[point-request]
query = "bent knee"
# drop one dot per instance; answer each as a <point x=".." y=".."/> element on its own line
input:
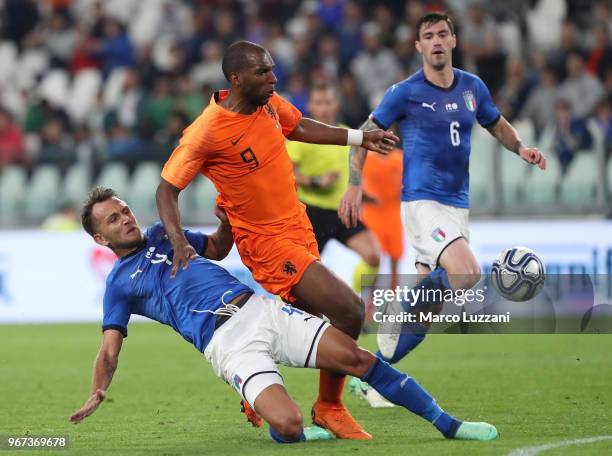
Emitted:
<point x="372" y="258"/>
<point x="466" y="277"/>
<point x="347" y="312"/>
<point x="288" y="424"/>
<point x="355" y="361"/>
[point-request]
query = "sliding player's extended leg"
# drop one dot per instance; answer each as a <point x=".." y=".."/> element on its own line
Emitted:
<point x="320" y="292"/>
<point x="338" y="352"/>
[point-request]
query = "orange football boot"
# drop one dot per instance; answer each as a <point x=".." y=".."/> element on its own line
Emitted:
<point x="337" y="419"/>
<point x="251" y="415"/>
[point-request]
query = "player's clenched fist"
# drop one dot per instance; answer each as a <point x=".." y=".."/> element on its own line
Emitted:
<point x="533" y="156"/>
<point x="380" y="141"/>
<point x="350" y="206"/>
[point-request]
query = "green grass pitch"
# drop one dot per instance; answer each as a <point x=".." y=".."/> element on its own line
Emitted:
<point x="536" y="389"/>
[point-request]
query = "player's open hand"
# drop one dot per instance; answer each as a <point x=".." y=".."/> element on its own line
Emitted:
<point x="90" y="406"/>
<point x="533" y="156"/>
<point x="350" y="206"/>
<point x="380" y="141"/>
<point x="183" y="254"/>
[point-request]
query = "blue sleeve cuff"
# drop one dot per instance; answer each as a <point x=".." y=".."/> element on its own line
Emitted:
<point x="121" y="329"/>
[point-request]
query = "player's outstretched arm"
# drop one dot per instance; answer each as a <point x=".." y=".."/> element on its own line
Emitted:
<point x="104" y="368"/>
<point x="373" y="138"/>
<point x="507" y="135"/>
<point x="350" y="206"/>
<point x="167" y="206"/>
<point x="221" y="241"/>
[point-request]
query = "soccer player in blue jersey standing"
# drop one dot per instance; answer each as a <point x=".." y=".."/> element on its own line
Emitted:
<point x="243" y="336"/>
<point x="436" y="109"/>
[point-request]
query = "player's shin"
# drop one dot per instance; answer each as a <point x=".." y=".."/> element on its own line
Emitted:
<point x="403" y="390"/>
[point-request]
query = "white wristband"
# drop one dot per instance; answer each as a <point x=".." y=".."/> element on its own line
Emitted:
<point x="354" y="137"/>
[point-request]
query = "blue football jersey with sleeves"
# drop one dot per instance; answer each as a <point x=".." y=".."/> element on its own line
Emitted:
<point x="436" y="124"/>
<point x="140" y="284"/>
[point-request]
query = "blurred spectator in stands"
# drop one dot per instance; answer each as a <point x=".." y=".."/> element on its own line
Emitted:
<point x="167" y="139"/>
<point x="513" y="94"/>
<point x="19" y="18"/>
<point x="581" y="89"/>
<point x="330" y="13"/>
<point x="128" y="102"/>
<point x="202" y="30"/>
<point x="305" y="58"/>
<point x="329" y="56"/>
<point x="226" y="28"/>
<point x="12" y="146"/>
<point x="540" y="104"/>
<point x="603" y="119"/>
<point x="353" y="106"/>
<point x="570" y="133"/>
<point x="188" y="100"/>
<point x="41" y="111"/>
<point x="375" y="67"/>
<point x="155" y="108"/>
<point x="386" y="25"/>
<point x="479" y="45"/>
<point x="60" y="38"/>
<point x="57" y="147"/>
<point x="82" y="56"/>
<point x="601" y="13"/>
<point x="279" y="45"/>
<point x="115" y="49"/>
<point x="349" y="32"/>
<point x="209" y="72"/>
<point x="66" y="219"/>
<point x="600" y="57"/>
<point x="125" y="147"/>
<point x="568" y="44"/>
<point x="296" y="92"/>
<point x="99" y="20"/>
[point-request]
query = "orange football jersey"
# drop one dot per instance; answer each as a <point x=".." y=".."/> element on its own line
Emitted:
<point x="246" y="159"/>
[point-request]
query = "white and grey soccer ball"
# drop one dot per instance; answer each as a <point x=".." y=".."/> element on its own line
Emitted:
<point x="518" y="274"/>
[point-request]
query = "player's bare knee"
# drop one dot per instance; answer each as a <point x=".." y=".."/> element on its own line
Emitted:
<point x="372" y="258"/>
<point x="355" y="360"/>
<point x="470" y="276"/>
<point x="288" y="423"/>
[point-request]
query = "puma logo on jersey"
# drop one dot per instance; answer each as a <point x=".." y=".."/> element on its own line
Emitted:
<point x="430" y="106"/>
<point x="136" y="273"/>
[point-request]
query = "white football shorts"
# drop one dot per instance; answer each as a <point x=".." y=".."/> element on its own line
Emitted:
<point x="431" y="226"/>
<point x="245" y="350"/>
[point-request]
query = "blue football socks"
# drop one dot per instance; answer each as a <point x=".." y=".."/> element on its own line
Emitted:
<point x="403" y="390"/>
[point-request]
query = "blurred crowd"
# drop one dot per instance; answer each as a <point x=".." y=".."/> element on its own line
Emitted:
<point x="118" y="80"/>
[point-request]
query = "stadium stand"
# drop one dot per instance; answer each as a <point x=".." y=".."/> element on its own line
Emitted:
<point x="99" y="87"/>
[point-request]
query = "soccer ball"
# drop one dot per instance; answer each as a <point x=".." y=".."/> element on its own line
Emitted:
<point x="518" y="274"/>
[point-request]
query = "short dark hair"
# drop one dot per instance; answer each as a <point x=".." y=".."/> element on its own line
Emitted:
<point x="235" y="59"/>
<point x="433" y="18"/>
<point x="97" y="195"/>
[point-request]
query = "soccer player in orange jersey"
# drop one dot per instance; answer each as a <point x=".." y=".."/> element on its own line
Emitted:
<point x="382" y="179"/>
<point x="238" y="142"/>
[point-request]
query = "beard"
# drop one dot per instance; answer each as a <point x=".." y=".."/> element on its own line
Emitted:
<point x="255" y="99"/>
<point x="126" y="245"/>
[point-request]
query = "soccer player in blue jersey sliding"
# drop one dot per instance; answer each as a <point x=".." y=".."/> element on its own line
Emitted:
<point x="241" y="337"/>
<point x="436" y="109"/>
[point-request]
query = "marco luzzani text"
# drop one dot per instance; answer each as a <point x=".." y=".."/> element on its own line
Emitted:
<point x="409" y="297"/>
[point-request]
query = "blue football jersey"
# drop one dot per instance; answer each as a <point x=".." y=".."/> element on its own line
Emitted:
<point x="436" y="124"/>
<point x="140" y="284"/>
